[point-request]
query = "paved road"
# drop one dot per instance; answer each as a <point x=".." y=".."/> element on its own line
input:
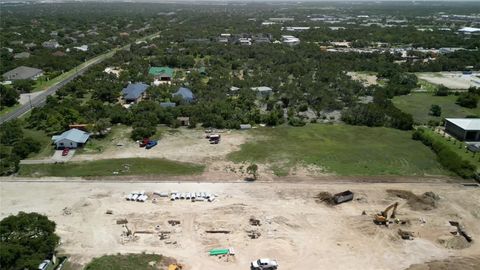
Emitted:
<point x="39" y="100"/>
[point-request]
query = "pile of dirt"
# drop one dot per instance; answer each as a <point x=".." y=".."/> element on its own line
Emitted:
<point x="324" y="197"/>
<point x="455" y="242"/>
<point x="427" y="201"/>
<point x="454" y="263"/>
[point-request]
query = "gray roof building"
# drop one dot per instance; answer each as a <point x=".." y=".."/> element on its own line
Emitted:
<point x="22" y="73"/>
<point x="21" y="55"/>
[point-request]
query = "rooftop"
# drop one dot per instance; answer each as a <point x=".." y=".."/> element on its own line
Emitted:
<point x="185" y="93"/>
<point x="134" y="91"/>
<point x="466" y="123"/>
<point x="160" y="70"/>
<point x="73" y="134"/>
<point x="22" y="73"/>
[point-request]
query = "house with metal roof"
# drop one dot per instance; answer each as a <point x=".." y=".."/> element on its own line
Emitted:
<point x="167" y="104"/>
<point x="185" y="93"/>
<point x="263" y="91"/>
<point x="134" y="92"/>
<point x="465" y="129"/>
<point x="22" y="73"/>
<point x="72" y="138"/>
<point x="161" y="73"/>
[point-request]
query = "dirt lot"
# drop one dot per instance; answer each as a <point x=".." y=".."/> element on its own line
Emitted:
<point x="365" y="79"/>
<point x="184" y="145"/>
<point x="452" y="80"/>
<point x="295" y="229"/>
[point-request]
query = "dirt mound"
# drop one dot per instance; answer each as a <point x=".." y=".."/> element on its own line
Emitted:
<point x="325" y="197"/>
<point x="427" y="201"/>
<point x="454" y="263"/>
<point x="455" y="242"/>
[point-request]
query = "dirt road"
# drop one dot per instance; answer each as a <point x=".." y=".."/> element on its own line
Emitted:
<point x="294" y="229"/>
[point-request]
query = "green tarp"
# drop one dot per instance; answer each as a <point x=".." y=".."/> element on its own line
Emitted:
<point x="215" y="252"/>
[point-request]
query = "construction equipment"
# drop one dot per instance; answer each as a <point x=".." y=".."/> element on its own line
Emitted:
<point x="382" y="217"/>
<point x="175" y="266"/>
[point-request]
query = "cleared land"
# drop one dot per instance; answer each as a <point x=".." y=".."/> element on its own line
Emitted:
<point x="107" y="167"/>
<point x="418" y="105"/>
<point x="451" y="80"/>
<point x="295" y="229"/>
<point x="340" y="149"/>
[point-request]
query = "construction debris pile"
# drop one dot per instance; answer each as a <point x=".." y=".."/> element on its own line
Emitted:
<point x="425" y="202"/>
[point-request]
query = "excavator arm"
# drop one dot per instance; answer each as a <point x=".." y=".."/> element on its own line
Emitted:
<point x="382" y="218"/>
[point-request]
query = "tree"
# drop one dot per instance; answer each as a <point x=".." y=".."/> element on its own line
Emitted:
<point x="435" y="110"/>
<point x="24" y="147"/>
<point x="101" y="126"/>
<point x="8" y="96"/>
<point x="26" y="239"/>
<point x="23" y="86"/>
<point x="467" y="100"/>
<point x="252" y="169"/>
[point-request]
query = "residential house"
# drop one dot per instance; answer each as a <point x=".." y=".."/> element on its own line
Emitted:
<point x="262" y="91"/>
<point x="72" y="138"/>
<point x="134" y="92"/>
<point x="464" y="129"/>
<point x="51" y="44"/>
<point x="290" y="40"/>
<point x="161" y="74"/>
<point x="22" y="73"/>
<point x="167" y="104"/>
<point x="185" y="93"/>
<point x="22" y="55"/>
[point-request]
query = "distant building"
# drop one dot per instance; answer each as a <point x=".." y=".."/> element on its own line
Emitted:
<point x="22" y="55"/>
<point x="281" y="19"/>
<point x="297" y="28"/>
<point x="72" y="138"/>
<point x="113" y="70"/>
<point x="185" y="93"/>
<point x="82" y="48"/>
<point x="290" y="40"/>
<point x="469" y="30"/>
<point x="262" y="90"/>
<point x="134" y="92"/>
<point x="51" y="44"/>
<point x="161" y="73"/>
<point x="22" y="73"/>
<point x="464" y="129"/>
<point x="167" y="104"/>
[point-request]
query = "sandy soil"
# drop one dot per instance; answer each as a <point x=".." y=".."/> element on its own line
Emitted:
<point x="182" y="145"/>
<point x="452" y="80"/>
<point x="295" y="230"/>
<point x="365" y="79"/>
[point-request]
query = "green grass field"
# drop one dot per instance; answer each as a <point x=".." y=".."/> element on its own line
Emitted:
<point x="418" y="105"/>
<point x="340" y="149"/>
<point x="126" y="262"/>
<point x="107" y="167"/>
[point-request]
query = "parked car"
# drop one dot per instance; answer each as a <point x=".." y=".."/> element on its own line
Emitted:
<point x="144" y="142"/>
<point x="65" y="151"/>
<point x="44" y="265"/>
<point x="151" y="144"/>
<point x="263" y="264"/>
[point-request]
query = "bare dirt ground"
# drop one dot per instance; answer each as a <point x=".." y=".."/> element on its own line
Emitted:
<point x="451" y="80"/>
<point x="295" y="229"/>
<point x="365" y="79"/>
<point x="183" y="145"/>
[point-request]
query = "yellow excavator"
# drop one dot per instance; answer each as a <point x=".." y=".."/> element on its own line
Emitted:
<point x="382" y="217"/>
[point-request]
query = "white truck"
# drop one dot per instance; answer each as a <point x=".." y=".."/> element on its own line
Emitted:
<point x="264" y="264"/>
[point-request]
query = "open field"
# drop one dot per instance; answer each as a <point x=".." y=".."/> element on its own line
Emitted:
<point x="107" y="167"/>
<point x="295" y="229"/>
<point x="339" y="149"/>
<point x="418" y="105"/>
<point x="451" y="80"/>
